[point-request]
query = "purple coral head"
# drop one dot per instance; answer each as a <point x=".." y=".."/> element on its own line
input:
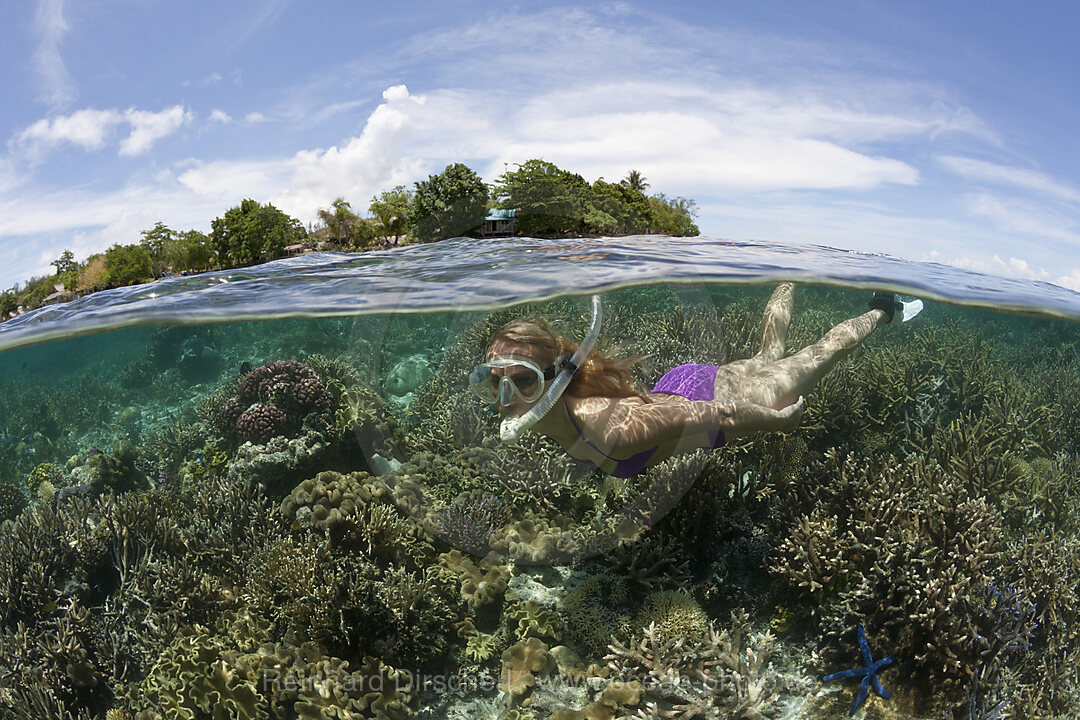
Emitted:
<point x="276" y="378"/>
<point x="260" y="422"/>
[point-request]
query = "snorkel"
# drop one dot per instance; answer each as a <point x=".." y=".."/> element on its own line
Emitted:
<point x="512" y="427"/>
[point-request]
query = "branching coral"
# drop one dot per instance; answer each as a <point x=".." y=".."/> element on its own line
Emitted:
<point x="727" y="672"/>
<point x="469" y="521"/>
<point x="898" y="547"/>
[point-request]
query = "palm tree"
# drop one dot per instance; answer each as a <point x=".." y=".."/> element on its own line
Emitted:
<point x="635" y="181"/>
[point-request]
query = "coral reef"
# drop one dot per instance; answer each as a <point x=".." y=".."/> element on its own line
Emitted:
<point x="521" y="663"/>
<point x="45" y="472"/>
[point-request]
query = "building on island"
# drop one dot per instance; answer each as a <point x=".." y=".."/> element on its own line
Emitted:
<point x="499" y="223"/>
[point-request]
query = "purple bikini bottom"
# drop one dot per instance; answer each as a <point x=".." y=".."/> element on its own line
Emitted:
<point x="692" y="381"/>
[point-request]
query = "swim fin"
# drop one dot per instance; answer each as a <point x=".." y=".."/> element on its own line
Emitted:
<point x="888" y="303"/>
<point x="909" y="309"/>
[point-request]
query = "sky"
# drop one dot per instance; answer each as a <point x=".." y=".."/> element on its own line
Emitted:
<point x="925" y="130"/>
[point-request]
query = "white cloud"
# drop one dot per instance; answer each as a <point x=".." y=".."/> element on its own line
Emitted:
<point x="220" y="116"/>
<point x="994" y="265"/>
<point x="254" y="118"/>
<point x="1071" y="281"/>
<point x="983" y="171"/>
<point x="91" y="129"/>
<point x="87" y="129"/>
<point x="149" y="127"/>
<point x="58" y="87"/>
<point x="1029" y="218"/>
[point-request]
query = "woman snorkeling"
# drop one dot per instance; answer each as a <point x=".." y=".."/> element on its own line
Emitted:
<point x="589" y="405"/>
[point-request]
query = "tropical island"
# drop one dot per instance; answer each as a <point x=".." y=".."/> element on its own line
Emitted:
<point x="535" y="198"/>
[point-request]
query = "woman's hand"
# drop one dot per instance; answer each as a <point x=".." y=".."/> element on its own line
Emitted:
<point x="791" y="415"/>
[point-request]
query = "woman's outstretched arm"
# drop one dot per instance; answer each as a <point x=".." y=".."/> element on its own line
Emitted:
<point x="630" y="429"/>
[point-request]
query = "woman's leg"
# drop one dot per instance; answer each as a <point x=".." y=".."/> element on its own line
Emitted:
<point x="780" y="383"/>
<point x="731" y="378"/>
<point x="774" y="330"/>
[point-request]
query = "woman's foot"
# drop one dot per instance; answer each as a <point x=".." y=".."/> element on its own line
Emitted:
<point x="886" y="303"/>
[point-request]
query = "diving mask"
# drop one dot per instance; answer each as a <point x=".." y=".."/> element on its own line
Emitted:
<point x="523" y="379"/>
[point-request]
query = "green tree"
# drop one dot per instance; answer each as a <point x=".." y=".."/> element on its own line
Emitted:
<point x="252" y="232"/>
<point x="127" y="265"/>
<point x="342" y="224"/>
<point x="449" y="204"/>
<point x="391" y="211"/>
<point x="673" y="216"/>
<point x="193" y="251"/>
<point x="617" y="209"/>
<point x="9" y="303"/>
<point x="67" y="270"/>
<point x="157" y="241"/>
<point x="548" y="199"/>
<point x="93" y="274"/>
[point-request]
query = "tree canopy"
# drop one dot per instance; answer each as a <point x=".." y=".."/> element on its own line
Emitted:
<point x="449" y="204"/>
<point x="127" y="265"/>
<point x="553" y="201"/>
<point x="251" y="232"/>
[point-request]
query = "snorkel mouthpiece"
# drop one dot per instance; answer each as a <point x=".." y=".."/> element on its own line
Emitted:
<point x="512" y="427"/>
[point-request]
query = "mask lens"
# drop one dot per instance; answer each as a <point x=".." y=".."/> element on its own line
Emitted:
<point x="520" y="378"/>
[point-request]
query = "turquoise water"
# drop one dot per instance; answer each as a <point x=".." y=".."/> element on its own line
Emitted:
<point x="355" y="518"/>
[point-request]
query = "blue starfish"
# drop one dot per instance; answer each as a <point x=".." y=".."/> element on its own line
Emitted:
<point x="868" y="673"/>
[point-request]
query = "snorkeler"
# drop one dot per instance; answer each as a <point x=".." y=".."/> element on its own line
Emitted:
<point x="589" y="405"/>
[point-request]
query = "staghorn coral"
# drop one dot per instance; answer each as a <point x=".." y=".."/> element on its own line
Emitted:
<point x="899" y="548"/>
<point x="727" y="673"/>
<point x="294" y="584"/>
<point x="147" y="564"/>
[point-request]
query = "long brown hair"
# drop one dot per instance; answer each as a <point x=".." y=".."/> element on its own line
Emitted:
<point x="599" y="374"/>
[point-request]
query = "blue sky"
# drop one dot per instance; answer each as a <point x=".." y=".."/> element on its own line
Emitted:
<point x="926" y="130"/>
